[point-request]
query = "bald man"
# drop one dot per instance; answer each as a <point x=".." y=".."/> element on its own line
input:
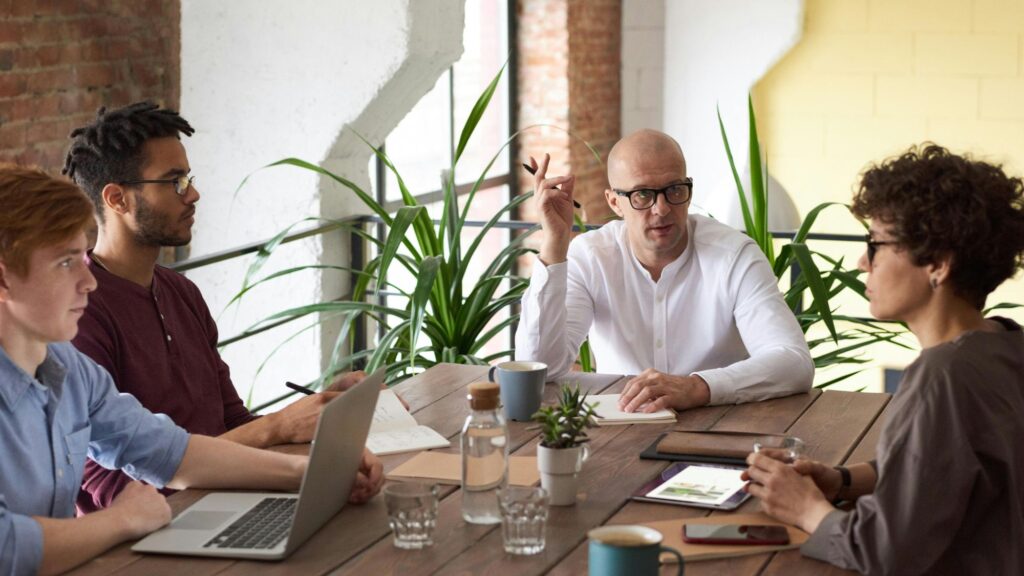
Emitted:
<point x="687" y="303"/>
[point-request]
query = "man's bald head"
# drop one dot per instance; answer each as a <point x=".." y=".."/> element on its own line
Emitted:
<point x="642" y="153"/>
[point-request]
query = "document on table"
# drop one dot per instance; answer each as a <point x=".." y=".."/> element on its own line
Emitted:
<point x="608" y="412"/>
<point x="394" y="429"/>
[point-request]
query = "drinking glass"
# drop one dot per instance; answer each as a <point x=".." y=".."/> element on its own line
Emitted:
<point x="793" y="446"/>
<point x="412" y="513"/>
<point x="524" y="517"/>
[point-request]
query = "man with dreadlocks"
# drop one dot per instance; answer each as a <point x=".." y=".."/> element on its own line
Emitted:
<point x="147" y="325"/>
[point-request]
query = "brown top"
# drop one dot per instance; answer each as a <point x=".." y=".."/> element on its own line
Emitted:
<point x="950" y="491"/>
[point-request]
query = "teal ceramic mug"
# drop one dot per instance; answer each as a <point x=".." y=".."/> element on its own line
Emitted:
<point x="627" y="550"/>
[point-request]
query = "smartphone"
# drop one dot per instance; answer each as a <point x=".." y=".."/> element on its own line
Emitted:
<point x="735" y="534"/>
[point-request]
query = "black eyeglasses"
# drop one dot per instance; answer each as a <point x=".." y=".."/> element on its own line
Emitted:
<point x="644" y="198"/>
<point x="181" y="183"/>
<point x="873" y="247"/>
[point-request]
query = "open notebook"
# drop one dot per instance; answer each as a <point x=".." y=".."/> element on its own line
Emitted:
<point x="395" y="430"/>
<point x="608" y="413"/>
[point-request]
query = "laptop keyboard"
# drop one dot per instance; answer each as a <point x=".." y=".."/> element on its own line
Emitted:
<point x="262" y="527"/>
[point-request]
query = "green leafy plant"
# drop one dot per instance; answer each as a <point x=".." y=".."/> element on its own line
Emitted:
<point x="446" y="316"/>
<point x="564" y="425"/>
<point x="822" y="283"/>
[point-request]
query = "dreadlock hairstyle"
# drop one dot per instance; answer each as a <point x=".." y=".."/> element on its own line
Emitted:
<point x="110" y="148"/>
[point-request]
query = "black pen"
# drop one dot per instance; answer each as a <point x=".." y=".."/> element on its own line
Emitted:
<point x="533" y="170"/>
<point x="299" y="388"/>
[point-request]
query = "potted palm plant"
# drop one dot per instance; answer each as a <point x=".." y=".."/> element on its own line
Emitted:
<point x="823" y="284"/>
<point x="563" y="448"/>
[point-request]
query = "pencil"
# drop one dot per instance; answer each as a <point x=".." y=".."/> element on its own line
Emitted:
<point x="532" y="170"/>
<point x="299" y="388"/>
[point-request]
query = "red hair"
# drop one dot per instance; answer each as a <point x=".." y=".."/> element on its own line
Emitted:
<point x="37" y="210"/>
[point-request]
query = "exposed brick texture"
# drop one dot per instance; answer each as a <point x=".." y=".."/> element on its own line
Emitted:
<point x="569" y="57"/>
<point x="60" y="60"/>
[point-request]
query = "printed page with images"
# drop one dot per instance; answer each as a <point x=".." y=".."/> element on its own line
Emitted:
<point x="394" y="429"/>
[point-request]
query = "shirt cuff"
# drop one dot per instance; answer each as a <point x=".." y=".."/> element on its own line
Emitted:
<point x="28" y="544"/>
<point x="817" y="546"/>
<point x="720" y="385"/>
<point x="554" y="276"/>
<point x="161" y="474"/>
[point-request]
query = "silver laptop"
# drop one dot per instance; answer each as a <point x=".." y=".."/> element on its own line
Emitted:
<point x="270" y="526"/>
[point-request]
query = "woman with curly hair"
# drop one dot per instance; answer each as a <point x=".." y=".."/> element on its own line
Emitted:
<point x="946" y="493"/>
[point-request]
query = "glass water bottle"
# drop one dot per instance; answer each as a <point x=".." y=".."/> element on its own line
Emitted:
<point x="484" y="455"/>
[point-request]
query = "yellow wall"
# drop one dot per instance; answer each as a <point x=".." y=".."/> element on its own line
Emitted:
<point x="871" y="77"/>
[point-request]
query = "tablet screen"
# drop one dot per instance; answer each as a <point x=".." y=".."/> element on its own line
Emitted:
<point x="694" y="484"/>
<point x="700" y="485"/>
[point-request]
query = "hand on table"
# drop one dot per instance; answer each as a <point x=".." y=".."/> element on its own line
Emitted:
<point x="297" y="422"/>
<point x="785" y="493"/>
<point x="346" y="380"/>
<point x="825" y="477"/>
<point x="652" y="391"/>
<point x="142" y="509"/>
<point x="369" y="479"/>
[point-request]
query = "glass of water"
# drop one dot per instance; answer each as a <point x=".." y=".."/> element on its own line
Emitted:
<point x="412" y="513"/>
<point x="792" y="447"/>
<point x="524" y="518"/>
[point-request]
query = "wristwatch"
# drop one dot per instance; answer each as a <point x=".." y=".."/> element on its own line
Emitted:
<point x="844" y="473"/>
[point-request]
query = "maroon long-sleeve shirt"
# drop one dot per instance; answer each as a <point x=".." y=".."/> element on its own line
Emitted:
<point x="160" y="345"/>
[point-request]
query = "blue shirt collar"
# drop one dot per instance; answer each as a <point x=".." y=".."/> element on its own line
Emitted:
<point x="14" y="381"/>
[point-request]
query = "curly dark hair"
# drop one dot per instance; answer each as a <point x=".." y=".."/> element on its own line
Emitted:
<point x="110" y="148"/>
<point x="940" y="203"/>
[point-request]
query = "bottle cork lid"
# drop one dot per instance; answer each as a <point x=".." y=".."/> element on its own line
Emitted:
<point x="483" y="395"/>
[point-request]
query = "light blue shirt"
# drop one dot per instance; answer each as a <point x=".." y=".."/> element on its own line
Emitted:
<point x="48" y="425"/>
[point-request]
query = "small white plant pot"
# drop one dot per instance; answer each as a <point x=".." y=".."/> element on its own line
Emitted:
<point x="559" y="472"/>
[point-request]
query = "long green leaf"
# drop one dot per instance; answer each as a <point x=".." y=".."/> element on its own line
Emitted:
<point x="424" y="286"/>
<point x="810" y="271"/>
<point x="748" y="221"/>
<point x="757" y="190"/>
<point x="477" y="112"/>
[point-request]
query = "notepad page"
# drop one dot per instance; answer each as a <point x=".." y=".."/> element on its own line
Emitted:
<point x="405" y="440"/>
<point x="390" y="414"/>
<point x="608" y="409"/>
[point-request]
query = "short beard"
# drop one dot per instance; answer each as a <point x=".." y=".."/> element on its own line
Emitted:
<point x="153" y="227"/>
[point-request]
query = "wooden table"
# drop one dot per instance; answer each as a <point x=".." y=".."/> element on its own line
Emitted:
<point x="837" y="427"/>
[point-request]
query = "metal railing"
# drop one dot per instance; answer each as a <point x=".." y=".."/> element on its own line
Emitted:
<point x="358" y="253"/>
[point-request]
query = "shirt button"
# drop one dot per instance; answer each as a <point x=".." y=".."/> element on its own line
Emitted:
<point x="168" y="337"/>
<point x="60" y="473"/>
<point x="658" y="343"/>
<point x="161" y="316"/>
<point x="661" y="298"/>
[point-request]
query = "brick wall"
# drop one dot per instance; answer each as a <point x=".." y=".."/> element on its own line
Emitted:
<point x="60" y="60"/>
<point x="569" y="55"/>
<point x="595" y="33"/>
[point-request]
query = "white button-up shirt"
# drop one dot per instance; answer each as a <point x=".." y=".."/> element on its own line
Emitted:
<point x="715" y="312"/>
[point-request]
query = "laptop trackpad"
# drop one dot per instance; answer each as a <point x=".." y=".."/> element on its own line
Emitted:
<point x="201" y="520"/>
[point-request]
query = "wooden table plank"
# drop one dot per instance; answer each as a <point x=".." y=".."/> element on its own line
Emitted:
<point x="769" y="417"/>
<point x="439" y="381"/>
<point x="867" y="446"/>
<point x="835" y="424"/>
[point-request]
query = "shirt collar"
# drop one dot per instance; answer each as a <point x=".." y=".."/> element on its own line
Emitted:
<point x="14" y="381"/>
<point x="673" y="266"/>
